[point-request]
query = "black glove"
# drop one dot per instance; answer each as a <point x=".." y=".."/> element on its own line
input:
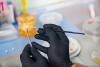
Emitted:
<point x="58" y="52"/>
<point x="32" y="58"/>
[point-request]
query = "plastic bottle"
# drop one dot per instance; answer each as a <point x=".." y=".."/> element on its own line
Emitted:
<point x="11" y="12"/>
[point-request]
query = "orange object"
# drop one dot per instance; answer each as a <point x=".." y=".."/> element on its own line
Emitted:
<point x="28" y="21"/>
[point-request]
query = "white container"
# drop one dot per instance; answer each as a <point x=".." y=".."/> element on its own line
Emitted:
<point x="51" y="18"/>
<point x="3" y="19"/>
<point x="92" y="28"/>
<point x="11" y="17"/>
<point x="7" y="30"/>
<point x="74" y="47"/>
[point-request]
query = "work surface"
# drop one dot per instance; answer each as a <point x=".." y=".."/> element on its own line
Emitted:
<point x="10" y="50"/>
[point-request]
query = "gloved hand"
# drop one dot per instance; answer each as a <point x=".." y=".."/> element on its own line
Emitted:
<point x="58" y="52"/>
<point x="32" y="58"/>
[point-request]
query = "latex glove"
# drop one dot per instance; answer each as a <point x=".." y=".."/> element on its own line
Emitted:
<point x="32" y="58"/>
<point x="58" y="52"/>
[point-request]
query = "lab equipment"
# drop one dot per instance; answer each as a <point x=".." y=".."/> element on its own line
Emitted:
<point x="29" y="40"/>
<point x="54" y="18"/>
<point x="74" y="49"/>
<point x="92" y="26"/>
<point x="26" y="20"/>
<point x="71" y="32"/>
<point x="7" y="30"/>
<point x="11" y="17"/>
<point x="51" y="18"/>
<point x="92" y="11"/>
<point x="64" y="32"/>
<point x="92" y="29"/>
<point x="3" y="15"/>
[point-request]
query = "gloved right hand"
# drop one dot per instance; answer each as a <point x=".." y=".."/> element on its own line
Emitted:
<point x="58" y="52"/>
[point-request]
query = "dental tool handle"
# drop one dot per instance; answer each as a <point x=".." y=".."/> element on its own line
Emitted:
<point x="29" y="40"/>
<point x="72" y="32"/>
<point x="28" y="37"/>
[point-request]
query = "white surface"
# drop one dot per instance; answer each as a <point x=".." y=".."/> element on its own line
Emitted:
<point x="8" y="33"/>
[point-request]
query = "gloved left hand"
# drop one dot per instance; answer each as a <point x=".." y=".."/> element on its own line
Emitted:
<point x="32" y="58"/>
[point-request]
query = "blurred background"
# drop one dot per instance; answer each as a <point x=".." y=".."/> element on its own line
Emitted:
<point x="75" y="13"/>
